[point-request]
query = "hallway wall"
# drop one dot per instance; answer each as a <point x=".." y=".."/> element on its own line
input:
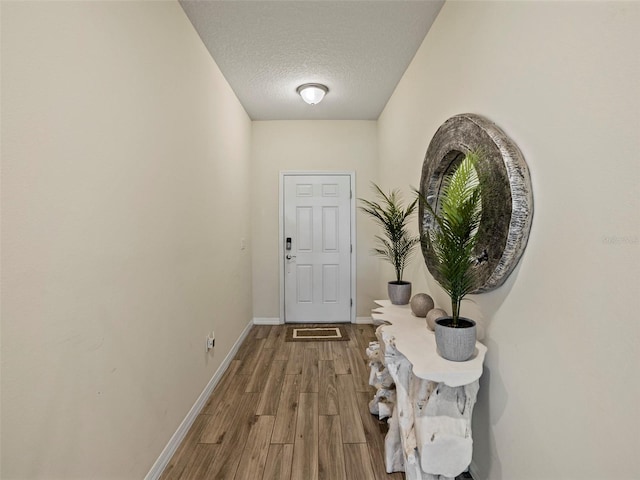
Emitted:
<point x="125" y="193"/>
<point x="559" y="396"/>
<point x="310" y="146"/>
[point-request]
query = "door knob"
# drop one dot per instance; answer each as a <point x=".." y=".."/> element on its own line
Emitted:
<point x="289" y="257"/>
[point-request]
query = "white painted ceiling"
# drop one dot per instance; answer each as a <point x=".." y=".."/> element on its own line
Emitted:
<point x="266" y="49"/>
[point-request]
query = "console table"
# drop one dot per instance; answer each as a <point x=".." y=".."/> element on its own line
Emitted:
<point x="431" y="405"/>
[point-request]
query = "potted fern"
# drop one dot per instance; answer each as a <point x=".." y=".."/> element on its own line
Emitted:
<point x="453" y="237"/>
<point x="397" y="244"/>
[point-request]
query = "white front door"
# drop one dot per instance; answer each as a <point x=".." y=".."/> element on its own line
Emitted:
<point x="317" y="248"/>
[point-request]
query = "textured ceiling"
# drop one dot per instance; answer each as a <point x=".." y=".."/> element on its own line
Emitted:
<point x="359" y="49"/>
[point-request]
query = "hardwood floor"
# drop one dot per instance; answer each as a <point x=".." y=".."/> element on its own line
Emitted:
<point x="288" y="411"/>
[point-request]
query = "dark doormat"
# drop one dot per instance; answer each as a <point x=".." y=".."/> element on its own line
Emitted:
<point x="325" y="333"/>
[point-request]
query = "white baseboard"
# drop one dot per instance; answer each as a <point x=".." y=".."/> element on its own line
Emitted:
<point x="267" y="321"/>
<point x="366" y="320"/>
<point x="162" y="461"/>
<point x="276" y="320"/>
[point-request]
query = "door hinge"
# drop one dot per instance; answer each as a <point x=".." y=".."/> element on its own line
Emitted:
<point x="351" y="248"/>
<point x="350" y="194"/>
<point x="352" y="302"/>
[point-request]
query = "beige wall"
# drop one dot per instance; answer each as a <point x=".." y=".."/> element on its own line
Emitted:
<point x="125" y="172"/>
<point x="308" y="145"/>
<point x="559" y="396"/>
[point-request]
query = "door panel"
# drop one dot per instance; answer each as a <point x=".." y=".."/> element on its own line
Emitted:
<point x="304" y="228"/>
<point x="304" y="288"/>
<point x="330" y="283"/>
<point x="317" y="275"/>
<point x="330" y="234"/>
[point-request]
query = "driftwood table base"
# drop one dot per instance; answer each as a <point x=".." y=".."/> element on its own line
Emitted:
<point x="429" y="434"/>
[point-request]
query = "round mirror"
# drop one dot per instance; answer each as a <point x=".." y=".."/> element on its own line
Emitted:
<point x="507" y="200"/>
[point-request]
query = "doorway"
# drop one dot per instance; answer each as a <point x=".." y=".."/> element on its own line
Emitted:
<point x="317" y="254"/>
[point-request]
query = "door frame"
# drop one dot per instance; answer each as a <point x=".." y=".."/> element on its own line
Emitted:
<point x="281" y="251"/>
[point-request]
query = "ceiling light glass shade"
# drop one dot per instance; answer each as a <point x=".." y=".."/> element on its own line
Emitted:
<point x="312" y="93"/>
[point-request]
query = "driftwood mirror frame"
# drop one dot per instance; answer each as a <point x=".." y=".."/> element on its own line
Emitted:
<point x="507" y="199"/>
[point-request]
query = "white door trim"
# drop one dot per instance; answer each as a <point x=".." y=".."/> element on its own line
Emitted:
<point x="281" y="251"/>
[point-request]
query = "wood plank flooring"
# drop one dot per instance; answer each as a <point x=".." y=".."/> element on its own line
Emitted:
<point x="288" y="411"/>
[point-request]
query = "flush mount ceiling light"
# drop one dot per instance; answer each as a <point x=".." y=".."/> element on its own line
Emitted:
<point x="312" y="93"/>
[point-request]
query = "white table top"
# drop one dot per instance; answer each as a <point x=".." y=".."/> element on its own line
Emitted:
<point x="418" y="344"/>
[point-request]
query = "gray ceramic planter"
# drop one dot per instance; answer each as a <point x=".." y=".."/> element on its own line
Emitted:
<point x="399" y="292"/>
<point x="456" y="343"/>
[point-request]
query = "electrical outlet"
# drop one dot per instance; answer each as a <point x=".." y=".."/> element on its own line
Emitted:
<point x="210" y="343"/>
